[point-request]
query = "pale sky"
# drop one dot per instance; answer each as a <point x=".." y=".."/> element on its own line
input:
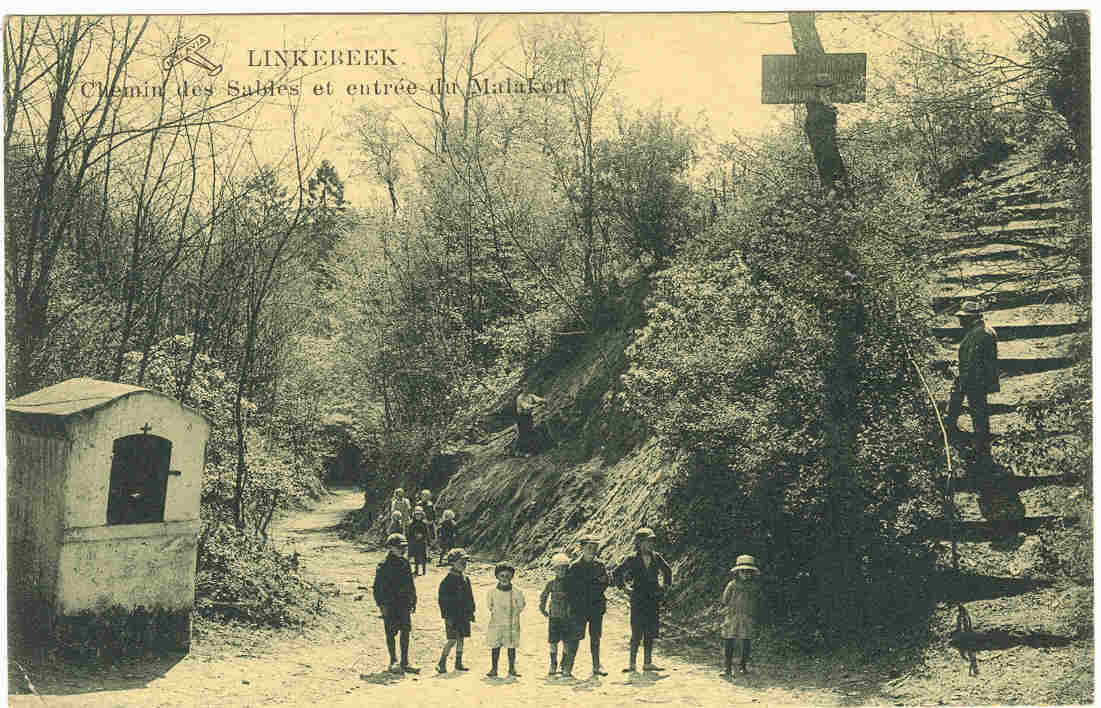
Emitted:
<point x="698" y="63"/>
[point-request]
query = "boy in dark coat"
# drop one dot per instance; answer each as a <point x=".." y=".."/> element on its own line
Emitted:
<point x="448" y="531"/>
<point x="585" y="583"/>
<point x="396" y="597"/>
<point x="418" y="542"/>
<point x="457" y="609"/>
<point x="641" y="571"/>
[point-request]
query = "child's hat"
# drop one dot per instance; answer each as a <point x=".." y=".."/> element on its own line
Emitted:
<point x="560" y="559"/>
<point x="419" y="510"/>
<point x="395" y="514"/>
<point x="971" y="308"/>
<point x="396" y="539"/>
<point x="645" y="532"/>
<point x="456" y="554"/>
<point x="502" y="567"/>
<point x="745" y="563"/>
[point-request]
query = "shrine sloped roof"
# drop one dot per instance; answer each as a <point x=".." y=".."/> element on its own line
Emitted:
<point x="75" y="396"/>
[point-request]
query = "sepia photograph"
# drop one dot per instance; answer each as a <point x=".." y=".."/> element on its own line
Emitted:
<point x="548" y="359"/>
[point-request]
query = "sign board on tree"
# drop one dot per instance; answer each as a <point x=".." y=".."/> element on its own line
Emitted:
<point x="829" y="78"/>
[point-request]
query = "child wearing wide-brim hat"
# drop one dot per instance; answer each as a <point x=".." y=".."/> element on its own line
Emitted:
<point x="505" y="603"/>
<point x="741" y="602"/>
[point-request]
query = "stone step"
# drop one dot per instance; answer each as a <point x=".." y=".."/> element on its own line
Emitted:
<point x="1038" y="210"/>
<point x="1014" y="389"/>
<point x="972" y="584"/>
<point x="1018" y="366"/>
<point x="1053" y="347"/>
<point x="995" y="252"/>
<point x="1026" y="387"/>
<point x="1003" y="497"/>
<point x="1058" y="312"/>
<point x="1002" y="299"/>
<point x="1043" y="239"/>
<point x="1030" y="266"/>
<point x="1014" y="196"/>
<point x="1010" y="332"/>
<point x="1005" y="290"/>
<point x="1016" y="483"/>
<point x="973" y="531"/>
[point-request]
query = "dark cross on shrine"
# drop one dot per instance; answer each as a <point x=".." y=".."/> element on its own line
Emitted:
<point x="819" y="80"/>
<point x="146" y="428"/>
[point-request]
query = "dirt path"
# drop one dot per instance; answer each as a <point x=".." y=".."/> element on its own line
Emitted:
<point x="342" y="661"/>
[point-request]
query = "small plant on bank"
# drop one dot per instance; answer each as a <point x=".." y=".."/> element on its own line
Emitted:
<point x="240" y="576"/>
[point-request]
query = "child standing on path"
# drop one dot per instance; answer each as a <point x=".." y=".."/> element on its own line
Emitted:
<point x="429" y="513"/>
<point x="505" y="605"/>
<point x="742" y="610"/>
<point x="418" y="542"/>
<point x="396" y="597"/>
<point x="396" y="525"/>
<point x="641" y="572"/>
<point x="457" y="609"/>
<point x="402" y="504"/>
<point x="586" y="581"/>
<point x="448" y="530"/>
<point x="555" y="607"/>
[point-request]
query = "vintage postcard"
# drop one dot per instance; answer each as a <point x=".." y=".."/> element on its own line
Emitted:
<point x="693" y="358"/>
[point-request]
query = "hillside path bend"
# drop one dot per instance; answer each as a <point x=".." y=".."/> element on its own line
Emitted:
<point x="342" y="661"/>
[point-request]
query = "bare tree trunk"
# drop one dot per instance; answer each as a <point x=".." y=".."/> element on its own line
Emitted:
<point x="838" y="573"/>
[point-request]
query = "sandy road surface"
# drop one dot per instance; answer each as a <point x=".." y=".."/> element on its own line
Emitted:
<point x="342" y="662"/>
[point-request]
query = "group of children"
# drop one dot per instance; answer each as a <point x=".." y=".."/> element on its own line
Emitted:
<point x="418" y="525"/>
<point x="573" y="602"/>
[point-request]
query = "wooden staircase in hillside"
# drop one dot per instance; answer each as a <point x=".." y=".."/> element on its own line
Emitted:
<point x="1016" y="260"/>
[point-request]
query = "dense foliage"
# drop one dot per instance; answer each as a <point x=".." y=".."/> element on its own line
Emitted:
<point x="739" y="364"/>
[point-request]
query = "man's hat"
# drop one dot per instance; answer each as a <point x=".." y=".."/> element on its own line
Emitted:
<point x="456" y="554"/>
<point x="501" y="567"/>
<point x="590" y="538"/>
<point x="396" y="539"/>
<point x="645" y="532"/>
<point x="971" y="308"/>
<point x="560" y="559"/>
<point x="745" y="563"/>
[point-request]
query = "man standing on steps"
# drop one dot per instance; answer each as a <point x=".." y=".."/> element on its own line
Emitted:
<point x="978" y="376"/>
<point x="526" y="403"/>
